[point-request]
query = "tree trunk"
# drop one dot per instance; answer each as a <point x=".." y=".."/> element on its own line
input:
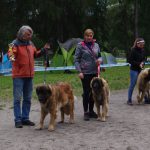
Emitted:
<point x="136" y="18"/>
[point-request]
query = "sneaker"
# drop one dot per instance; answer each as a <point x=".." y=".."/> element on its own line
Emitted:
<point x="28" y="123"/>
<point x="18" y="125"/>
<point x="92" y="114"/>
<point x="86" y="116"/>
<point x="129" y="103"/>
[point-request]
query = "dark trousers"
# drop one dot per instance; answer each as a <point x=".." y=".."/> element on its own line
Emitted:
<point x="88" y="103"/>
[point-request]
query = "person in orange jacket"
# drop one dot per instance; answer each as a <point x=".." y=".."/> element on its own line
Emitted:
<point x="22" y="53"/>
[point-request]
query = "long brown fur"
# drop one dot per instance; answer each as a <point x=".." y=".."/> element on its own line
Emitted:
<point x="143" y="84"/>
<point x="100" y="93"/>
<point x="54" y="97"/>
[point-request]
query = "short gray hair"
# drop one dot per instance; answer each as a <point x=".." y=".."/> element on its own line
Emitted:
<point x="22" y="30"/>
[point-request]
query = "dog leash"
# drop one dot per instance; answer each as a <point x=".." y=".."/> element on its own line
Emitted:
<point x="98" y="70"/>
<point x="45" y="64"/>
<point x="44" y="80"/>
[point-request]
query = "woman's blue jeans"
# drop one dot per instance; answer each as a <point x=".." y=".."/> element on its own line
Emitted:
<point x="133" y="79"/>
<point x="22" y="87"/>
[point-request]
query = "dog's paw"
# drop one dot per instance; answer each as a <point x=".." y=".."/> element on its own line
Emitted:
<point x="71" y="121"/>
<point x="39" y="127"/>
<point x="51" y="128"/>
<point x="98" y="119"/>
<point x="139" y="101"/>
<point x="103" y="119"/>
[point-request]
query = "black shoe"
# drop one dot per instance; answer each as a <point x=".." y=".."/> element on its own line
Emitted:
<point x="129" y="103"/>
<point x="28" y="123"/>
<point x="147" y="102"/>
<point x="18" y="125"/>
<point x="92" y="114"/>
<point x="86" y="116"/>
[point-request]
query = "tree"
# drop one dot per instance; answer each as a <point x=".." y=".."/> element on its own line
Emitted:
<point x="136" y="18"/>
<point x="116" y="23"/>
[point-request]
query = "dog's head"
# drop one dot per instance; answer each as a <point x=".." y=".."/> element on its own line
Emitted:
<point x="97" y="85"/>
<point x="43" y="92"/>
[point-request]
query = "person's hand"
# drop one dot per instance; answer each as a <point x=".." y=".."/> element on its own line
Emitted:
<point x="81" y="75"/>
<point x="12" y="58"/>
<point x="45" y="49"/>
<point x="47" y="46"/>
<point x="141" y="65"/>
<point x="98" y="62"/>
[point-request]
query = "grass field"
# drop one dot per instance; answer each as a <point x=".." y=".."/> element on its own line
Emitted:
<point x="117" y="77"/>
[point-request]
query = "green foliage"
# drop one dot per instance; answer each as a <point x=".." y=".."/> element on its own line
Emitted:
<point x="121" y="33"/>
<point x="144" y="23"/>
<point x="5" y="88"/>
<point x="64" y="53"/>
<point x="117" y="77"/>
<point x="113" y="21"/>
<point x="57" y="60"/>
<point x="63" y="58"/>
<point x="70" y="56"/>
<point x="37" y="41"/>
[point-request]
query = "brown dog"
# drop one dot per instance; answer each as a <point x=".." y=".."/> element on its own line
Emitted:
<point x="100" y="93"/>
<point x="143" y="84"/>
<point x="53" y="97"/>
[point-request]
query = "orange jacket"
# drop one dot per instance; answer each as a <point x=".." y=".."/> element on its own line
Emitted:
<point x="24" y="53"/>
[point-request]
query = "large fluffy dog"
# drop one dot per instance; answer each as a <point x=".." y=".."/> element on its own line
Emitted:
<point x="143" y="84"/>
<point x="54" y="97"/>
<point x="100" y="93"/>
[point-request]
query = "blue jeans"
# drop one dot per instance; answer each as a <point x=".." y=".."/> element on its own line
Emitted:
<point x="22" y="87"/>
<point x="133" y="79"/>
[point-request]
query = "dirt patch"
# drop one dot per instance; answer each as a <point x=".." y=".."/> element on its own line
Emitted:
<point x="127" y="128"/>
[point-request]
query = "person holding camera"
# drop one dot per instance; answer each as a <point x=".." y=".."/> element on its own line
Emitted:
<point x="22" y="53"/>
